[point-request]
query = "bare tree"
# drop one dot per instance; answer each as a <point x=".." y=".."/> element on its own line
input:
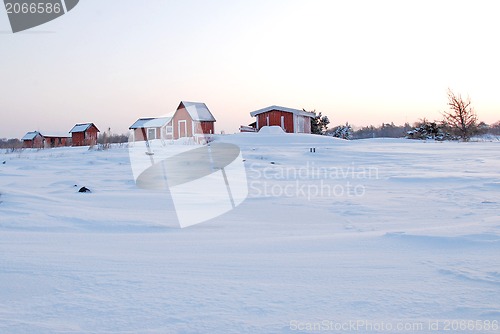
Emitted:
<point x="461" y="116"/>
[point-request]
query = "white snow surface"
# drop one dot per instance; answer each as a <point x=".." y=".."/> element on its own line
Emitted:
<point x="413" y="239"/>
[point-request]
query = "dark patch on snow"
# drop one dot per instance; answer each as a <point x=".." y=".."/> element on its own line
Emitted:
<point x="84" y="190"/>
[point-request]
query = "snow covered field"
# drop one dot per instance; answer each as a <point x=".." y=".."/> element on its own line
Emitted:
<point x="362" y="236"/>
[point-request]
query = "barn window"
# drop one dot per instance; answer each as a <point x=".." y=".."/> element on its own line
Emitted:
<point x="283" y="122"/>
<point x="151" y="134"/>
<point x="300" y="124"/>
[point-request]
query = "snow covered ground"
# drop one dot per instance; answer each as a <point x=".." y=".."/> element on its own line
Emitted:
<point x="362" y="236"/>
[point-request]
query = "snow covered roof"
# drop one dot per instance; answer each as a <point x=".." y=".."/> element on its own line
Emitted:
<point x="151" y="122"/>
<point x="293" y="111"/>
<point x="82" y="127"/>
<point x="140" y="123"/>
<point x="57" y="135"/>
<point x="198" y="111"/>
<point x="30" y="135"/>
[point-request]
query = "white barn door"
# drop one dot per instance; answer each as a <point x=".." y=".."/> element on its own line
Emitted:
<point x="182" y="128"/>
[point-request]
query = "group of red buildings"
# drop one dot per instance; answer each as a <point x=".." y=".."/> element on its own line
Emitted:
<point x="194" y="120"/>
<point x="189" y="120"/>
<point x="84" y="134"/>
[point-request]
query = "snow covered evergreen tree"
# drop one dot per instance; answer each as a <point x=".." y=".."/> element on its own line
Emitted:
<point x="429" y="130"/>
<point x="342" y="131"/>
<point x="319" y="124"/>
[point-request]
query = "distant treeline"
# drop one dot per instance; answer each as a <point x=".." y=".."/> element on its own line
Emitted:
<point x="386" y="130"/>
<point x="10" y="143"/>
<point x="111" y="138"/>
<point x="422" y="128"/>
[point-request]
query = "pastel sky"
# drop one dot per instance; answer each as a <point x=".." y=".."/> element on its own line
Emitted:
<point x="366" y="62"/>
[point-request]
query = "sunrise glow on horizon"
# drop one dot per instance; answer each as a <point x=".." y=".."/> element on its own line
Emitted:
<point x="362" y="62"/>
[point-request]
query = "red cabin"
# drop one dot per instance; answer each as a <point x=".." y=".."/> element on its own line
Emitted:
<point x="84" y="134"/>
<point x="190" y="120"/>
<point x="56" y="140"/>
<point x="33" y="139"/>
<point x="290" y="120"/>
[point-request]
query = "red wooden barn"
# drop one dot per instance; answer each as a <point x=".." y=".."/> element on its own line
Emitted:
<point x="290" y="120"/>
<point x="190" y="120"/>
<point x="84" y="134"/>
<point x="33" y="139"/>
<point x="56" y="140"/>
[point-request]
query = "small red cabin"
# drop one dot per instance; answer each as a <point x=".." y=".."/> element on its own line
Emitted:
<point x="84" y="134"/>
<point x="290" y="120"/>
<point x="190" y="120"/>
<point x="33" y="139"/>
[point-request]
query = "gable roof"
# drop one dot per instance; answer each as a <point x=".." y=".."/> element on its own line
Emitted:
<point x="31" y="135"/>
<point x="150" y="122"/>
<point x="285" y="109"/>
<point x="197" y="111"/>
<point x="82" y="127"/>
